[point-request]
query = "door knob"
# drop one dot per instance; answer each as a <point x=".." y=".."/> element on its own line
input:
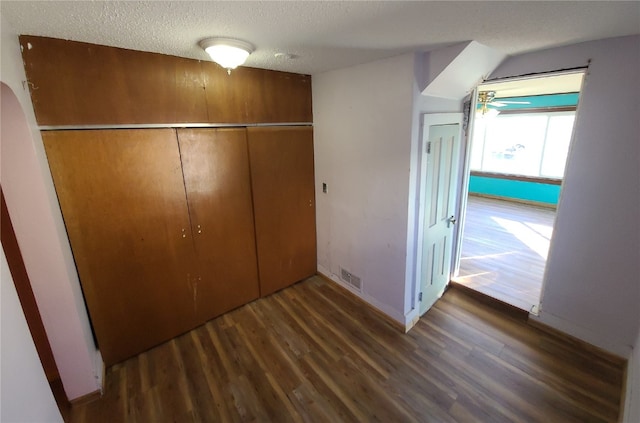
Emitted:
<point x="451" y="221"/>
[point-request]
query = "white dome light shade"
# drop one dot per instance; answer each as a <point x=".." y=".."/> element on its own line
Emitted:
<point x="227" y="52"/>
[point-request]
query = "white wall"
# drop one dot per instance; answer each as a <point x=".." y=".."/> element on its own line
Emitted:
<point x="25" y="395"/>
<point x="367" y="131"/>
<point x="32" y="205"/>
<point x="592" y="282"/>
<point x="362" y="133"/>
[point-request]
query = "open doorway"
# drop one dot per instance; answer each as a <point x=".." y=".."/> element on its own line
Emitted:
<point x="520" y="142"/>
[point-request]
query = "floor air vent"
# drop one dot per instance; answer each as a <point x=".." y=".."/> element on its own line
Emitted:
<point x="351" y="279"/>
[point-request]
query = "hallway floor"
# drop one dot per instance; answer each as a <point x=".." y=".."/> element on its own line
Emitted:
<point x="504" y="250"/>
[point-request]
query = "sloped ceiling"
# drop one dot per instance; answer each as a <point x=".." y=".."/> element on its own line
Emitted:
<point x="463" y="72"/>
<point x="323" y="35"/>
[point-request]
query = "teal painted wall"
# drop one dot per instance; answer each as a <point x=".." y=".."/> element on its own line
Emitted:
<point x="508" y="188"/>
<point x="537" y="101"/>
<point x="523" y="190"/>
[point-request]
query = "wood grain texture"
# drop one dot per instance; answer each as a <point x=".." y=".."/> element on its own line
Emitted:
<point x="312" y="353"/>
<point x="504" y="250"/>
<point x="215" y="165"/>
<point x="252" y="95"/>
<point x="123" y="200"/>
<point x="282" y="180"/>
<point x="278" y="97"/>
<point x="25" y="293"/>
<point x="74" y="83"/>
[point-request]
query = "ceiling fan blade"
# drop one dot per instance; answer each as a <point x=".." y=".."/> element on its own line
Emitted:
<point x="514" y="102"/>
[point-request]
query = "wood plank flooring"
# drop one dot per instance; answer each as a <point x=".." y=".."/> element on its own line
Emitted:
<point x="504" y="250"/>
<point x="313" y="353"/>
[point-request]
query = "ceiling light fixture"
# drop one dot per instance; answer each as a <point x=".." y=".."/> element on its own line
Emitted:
<point x="227" y="52"/>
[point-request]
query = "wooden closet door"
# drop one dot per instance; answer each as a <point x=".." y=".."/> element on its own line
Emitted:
<point x="282" y="179"/>
<point x="123" y="200"/>
<point x="216" y="174"/>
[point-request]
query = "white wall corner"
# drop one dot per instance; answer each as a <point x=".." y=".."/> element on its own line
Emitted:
<point x="463" y="73"/>
<point x="383" y="308"/>
<point x="362" y="147"/>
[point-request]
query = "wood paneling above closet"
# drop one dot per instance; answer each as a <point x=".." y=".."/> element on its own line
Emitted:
<point x="252" y="95"/>
<point x="74" y="83"/>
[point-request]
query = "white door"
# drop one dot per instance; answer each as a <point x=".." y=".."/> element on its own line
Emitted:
<point x="440" y="178"/>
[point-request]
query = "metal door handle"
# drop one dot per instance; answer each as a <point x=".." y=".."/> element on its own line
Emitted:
<point x="451" y="221"/>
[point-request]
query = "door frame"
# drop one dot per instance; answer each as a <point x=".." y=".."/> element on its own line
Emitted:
<point x="465" y="151"/>
<point x="464" y="179"/>
<point x="431" y="119"/>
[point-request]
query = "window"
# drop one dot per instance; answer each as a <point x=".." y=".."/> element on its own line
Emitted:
<point x="529" y="144"/>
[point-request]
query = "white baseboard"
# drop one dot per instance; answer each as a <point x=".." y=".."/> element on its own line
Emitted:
<point x="410" y="319"/>
<point x="373" y="302"/>
<point x="629" y="412"/>
<point x="570" y="328"/>
<point x="99" y="371"/>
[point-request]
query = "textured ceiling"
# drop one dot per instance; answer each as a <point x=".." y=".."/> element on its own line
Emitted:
<point x="324" y="35"/>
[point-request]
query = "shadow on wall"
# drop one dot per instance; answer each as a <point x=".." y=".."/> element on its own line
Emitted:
<point x="26" y="395"/>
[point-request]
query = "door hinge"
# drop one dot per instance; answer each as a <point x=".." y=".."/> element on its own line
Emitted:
<point x="429" y="147"/>
<point x="420" y="296"/>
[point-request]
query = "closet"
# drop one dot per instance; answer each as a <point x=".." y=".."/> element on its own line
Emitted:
<point x="172" y="227"/>
<point x="203" y="203"/>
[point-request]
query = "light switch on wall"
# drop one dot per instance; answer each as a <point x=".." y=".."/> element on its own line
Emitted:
<point x="324" y="187"/>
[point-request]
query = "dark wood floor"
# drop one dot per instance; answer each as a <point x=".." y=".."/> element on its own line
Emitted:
<point x="504" y="250"/>
<point x="314" y="353"/>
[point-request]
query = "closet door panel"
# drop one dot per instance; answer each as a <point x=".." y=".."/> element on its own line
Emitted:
<point x="74" y="83"/>
<point x="123" y="201"/>
<point x="251" y="95"/>
<point x="282" y="179"/>
<point x="216" y="173"/>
